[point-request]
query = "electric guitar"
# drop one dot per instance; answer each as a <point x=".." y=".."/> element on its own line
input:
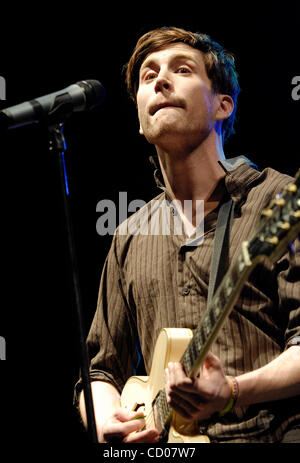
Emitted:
<point x="278" y="226"/>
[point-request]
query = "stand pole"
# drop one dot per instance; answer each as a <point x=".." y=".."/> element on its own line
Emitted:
<point x="57" y="143"/>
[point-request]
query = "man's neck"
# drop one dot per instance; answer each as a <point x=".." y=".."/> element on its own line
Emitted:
<point x="194" y="175"/>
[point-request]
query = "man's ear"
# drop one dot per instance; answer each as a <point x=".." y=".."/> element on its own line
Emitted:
<point x="225" y="108"/>
<point x="141" y="132"/>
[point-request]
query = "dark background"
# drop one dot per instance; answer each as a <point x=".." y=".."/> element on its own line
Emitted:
<point x="44" y="51"/>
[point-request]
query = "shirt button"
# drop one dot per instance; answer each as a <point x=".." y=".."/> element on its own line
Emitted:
<point x="185" y="291"/>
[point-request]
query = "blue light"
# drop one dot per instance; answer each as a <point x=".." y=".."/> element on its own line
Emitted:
<point x="65" y="172"/>
<point x="139" y="354"/>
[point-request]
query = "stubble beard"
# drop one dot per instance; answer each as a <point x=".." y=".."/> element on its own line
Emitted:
<point x="171" y="136"/>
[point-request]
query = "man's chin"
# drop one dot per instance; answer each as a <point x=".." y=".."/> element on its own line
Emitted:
<point x="164" y="133"/>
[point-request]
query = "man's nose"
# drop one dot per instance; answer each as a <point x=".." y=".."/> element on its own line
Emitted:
<point x="163" y="82"/>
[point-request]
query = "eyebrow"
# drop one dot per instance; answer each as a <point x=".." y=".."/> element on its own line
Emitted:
<point x="150" y="62"/>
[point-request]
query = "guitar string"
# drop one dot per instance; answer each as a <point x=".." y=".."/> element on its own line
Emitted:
<point x="149" y="417"/>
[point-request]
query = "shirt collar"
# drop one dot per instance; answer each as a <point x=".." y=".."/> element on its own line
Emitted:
<point x="240" y="171"/>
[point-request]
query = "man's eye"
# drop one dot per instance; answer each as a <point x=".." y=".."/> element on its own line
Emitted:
<point x="183" y="70"/>
<point x="150" y="75"/>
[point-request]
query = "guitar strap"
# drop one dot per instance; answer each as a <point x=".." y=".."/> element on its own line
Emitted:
<point x="220" y="251"/>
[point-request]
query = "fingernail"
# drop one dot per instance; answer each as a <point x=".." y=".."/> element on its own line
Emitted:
<point x="139" y="417"/>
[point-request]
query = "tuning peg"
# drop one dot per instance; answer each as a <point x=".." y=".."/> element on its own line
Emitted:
<point x="279" y="201"/>
<point x="285" y="225"/>
<point x="273" y="240"/>
<point x="267" y="212"/>
<point x="292" y="188"/>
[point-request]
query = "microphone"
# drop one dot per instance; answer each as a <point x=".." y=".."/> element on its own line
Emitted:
<point x="54" y="107"/>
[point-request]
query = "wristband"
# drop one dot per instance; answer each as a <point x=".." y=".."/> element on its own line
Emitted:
<point x="233" y="398"/>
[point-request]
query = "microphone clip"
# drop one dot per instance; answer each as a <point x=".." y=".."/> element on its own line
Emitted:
<point x="62" y="109"/>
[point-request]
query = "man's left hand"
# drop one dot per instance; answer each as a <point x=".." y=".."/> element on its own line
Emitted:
<point x="200" y="397"/>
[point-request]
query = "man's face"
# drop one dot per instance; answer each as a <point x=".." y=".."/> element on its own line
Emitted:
<point x="175" y="100"/>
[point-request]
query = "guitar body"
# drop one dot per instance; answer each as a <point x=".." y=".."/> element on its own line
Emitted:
<point x="140" y="391"/>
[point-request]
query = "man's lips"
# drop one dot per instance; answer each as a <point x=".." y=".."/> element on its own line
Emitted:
<point x="159" y="106"/>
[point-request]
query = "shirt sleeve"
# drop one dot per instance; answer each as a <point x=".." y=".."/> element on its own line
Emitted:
<point x="289" y="293"/>
<point x="112" y="336"/>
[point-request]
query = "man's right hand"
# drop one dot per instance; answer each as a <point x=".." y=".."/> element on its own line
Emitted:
<point x="122" y="426"/>
<point x="113" y="422"/>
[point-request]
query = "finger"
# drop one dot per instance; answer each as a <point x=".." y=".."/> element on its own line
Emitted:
<point x="185" y="391"/>
<point x="177" y="377"/>
<point x="199" y="410"/>
<point x="211" y="361"/>
<point x="147" y="436"/>
<point x="191" y="403"/>
<point x="180" y="386"/>
<point x="176" y="372"/>
<point x="193" y="400"/>
<point x="167" y="379"/>
<point x="124" y="415"/>
<point x="174" y="382"/>
<point x="182" y="409"/>
<point x="118" y="430"/>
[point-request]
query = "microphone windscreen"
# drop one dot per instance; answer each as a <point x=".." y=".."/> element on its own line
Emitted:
<point x="95" y="92"/>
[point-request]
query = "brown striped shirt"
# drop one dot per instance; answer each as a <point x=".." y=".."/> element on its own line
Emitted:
<point x="151" y="281"/>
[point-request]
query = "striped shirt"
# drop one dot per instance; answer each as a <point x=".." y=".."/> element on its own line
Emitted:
<point x="156" y="280"/>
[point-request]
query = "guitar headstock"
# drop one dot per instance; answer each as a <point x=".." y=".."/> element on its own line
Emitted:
<point x="279" y="224"/>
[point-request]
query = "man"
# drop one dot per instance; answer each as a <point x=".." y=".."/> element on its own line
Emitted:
<point x="185" y="87"/>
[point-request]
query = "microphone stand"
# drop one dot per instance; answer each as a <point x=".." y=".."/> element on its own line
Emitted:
<point x="57" y="143"/>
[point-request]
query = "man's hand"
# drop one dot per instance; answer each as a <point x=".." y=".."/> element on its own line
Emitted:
<point x="114" y="423"/>
<point x="121" y="427"/>
<point x="197" y="398"/>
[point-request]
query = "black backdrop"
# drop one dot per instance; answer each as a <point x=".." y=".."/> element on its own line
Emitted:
<point x="47" y="50"/>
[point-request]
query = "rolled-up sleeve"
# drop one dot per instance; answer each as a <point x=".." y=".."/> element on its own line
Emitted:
<point x="289" y="293"/>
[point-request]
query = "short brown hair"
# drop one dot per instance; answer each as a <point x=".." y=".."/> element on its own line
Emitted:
<point x="219" y="63"/>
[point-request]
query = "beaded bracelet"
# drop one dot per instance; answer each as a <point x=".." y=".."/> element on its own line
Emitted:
<point x="233" y="398"/>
